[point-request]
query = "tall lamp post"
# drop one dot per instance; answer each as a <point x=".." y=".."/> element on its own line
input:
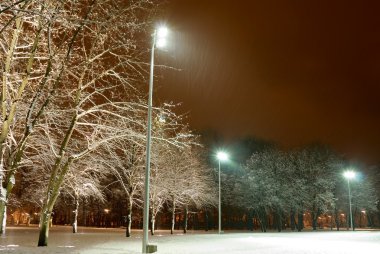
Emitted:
<point x="222" y="156"/>
<point x="349" y="175"/>
<point x="160" y="42"/>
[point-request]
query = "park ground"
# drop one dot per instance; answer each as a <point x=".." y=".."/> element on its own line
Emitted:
<point x="109" y="241"/>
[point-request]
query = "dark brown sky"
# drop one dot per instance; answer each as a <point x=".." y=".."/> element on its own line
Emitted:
<point x="289" y="71"/>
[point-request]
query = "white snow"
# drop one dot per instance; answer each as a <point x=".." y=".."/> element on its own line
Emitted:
<point x="96" y="240"/>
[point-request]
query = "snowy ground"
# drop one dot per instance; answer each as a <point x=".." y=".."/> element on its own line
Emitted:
<point x="94" y="240"/>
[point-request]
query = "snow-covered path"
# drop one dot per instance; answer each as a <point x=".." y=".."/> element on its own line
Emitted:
<point x="93" y="240"/>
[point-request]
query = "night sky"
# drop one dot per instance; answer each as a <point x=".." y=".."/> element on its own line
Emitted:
<point x="293" y="72"/>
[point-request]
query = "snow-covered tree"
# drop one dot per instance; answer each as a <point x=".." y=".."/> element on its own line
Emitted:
<point x="125" y="160"/>
<point x="264" y="186"/>
<point x="318" y="167"/>
<point x="286" y="184"/>
<point x="83" y="182"/>
<point x="89" y="60"/>
<point x="25" y="66"/>
<point x="188" y="181"/>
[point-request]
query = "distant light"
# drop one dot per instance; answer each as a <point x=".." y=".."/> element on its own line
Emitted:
<point x="106" y="210"/>
<point x="222" y="156"/>
<point x="349" y="174"/>
<point x="363" y="211"/>
<point x="342" y="214"/>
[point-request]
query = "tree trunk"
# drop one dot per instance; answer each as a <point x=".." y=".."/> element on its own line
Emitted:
<point x="76" y="210"/>
<point x="314" y="220"/>
<point x="129" y="218"/>
<point x="44" y="229"/>
<point x="196" y="221"/>
<point x="84" y="213"/>
<point x="153" y="222"/>
<point x="260" y="222"/>
<point x="99" y="217"/>
<point x="250" y="220"/>
<point x="206" y="220"/>
<point x="370" y="221"/>
<point x="4" y="195"/>
<point x="278" y="220"/>
<point x="300" y="221"/>
<point x="185" y="220"/>
<point x="292" y="220"/>
<point x="128" y="230"/>
<point x="3" y="217"/>
<point x="46" y="213"/>
<point x="337" y="222"/>
<point x="261" y="216"/>
<point x="173" y="216"/>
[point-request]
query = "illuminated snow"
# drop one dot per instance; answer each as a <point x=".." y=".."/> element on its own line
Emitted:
<point x="96" y="240"/>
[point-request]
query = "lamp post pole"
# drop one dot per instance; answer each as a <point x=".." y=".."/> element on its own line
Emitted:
<point x="350" y="175"/>
<point x="219" y="207"/>
<point x="158" y="41"/>
<point x="222" y="156"/>
<point x="148" y="146"/>
<point x="349" y="200"/>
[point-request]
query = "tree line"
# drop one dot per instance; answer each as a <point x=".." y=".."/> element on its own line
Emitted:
<point x="281" y="187"/>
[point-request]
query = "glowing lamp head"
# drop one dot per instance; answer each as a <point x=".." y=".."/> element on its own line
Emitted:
<point x="349" y="174"/>
<point x="161" y="43"/>
<point x="222" y="156"/>
<point x="161" y="34"/>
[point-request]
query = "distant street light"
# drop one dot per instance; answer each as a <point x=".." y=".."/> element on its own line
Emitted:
<point x="160" y="42"/>
<point x="106" y="218"/>
<point x="349" y="175"/>
<point x="222" y="156"/>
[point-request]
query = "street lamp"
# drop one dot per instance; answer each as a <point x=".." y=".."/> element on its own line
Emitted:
<point x="222" y="156"/>
<point x="349" y="175"/>
<point x="160" y="42"/>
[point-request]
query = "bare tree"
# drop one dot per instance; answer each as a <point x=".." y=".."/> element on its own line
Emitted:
<point x="88" y="55"/>
<point x="43" y="36"/>
<point x="169" y="134"/>
<point x="125" y="160"/>
<point x="22" y="25"/>
<point x="125" y="157"/>
<point x="83" y="182"/>
<point x="189" y="182"/>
